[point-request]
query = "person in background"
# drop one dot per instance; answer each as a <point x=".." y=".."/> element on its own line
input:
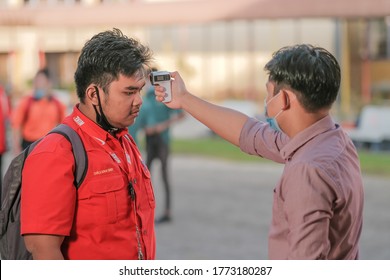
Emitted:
<point x="4" y="115"/>
<point x="110" y="216"/>
<point x="37" y="113"/>
<point x="155" y="120"/>
<point x="318" y="202"/>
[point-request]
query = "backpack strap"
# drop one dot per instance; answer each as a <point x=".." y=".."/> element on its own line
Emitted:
<point x="79" y="153"/>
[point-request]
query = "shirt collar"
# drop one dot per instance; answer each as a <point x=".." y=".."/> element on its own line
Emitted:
<point x="306" y="135"/>
<point x="92" y="128"/>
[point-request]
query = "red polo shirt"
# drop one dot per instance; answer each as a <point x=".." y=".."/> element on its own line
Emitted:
<point x="4" y="114"/>
<point x="100" y="219"/>
<point x="42" y="116"/>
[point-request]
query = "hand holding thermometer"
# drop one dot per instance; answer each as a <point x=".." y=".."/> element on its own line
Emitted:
<point x="162" y="78"/>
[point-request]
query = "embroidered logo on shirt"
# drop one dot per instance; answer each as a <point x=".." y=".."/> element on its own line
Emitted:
<point x="99" y="172"/>
<point x="78" y="120"/>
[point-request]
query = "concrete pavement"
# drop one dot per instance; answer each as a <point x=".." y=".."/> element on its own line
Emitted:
<point x="222" y="210"/>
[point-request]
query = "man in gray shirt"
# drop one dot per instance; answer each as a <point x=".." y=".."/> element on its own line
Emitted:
<point x="318" y="202"/>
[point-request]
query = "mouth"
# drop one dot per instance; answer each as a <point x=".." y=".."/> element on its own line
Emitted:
<point x="134" y="113"/>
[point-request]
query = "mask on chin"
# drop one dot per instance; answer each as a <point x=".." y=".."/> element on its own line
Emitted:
<point x="101" y="118"/>
<point x="39" y="94"/>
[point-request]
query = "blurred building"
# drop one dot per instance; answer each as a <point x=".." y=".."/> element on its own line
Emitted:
<point x="220" y="46"/>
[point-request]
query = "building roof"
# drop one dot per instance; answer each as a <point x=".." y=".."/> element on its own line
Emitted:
<point x="185" y="12"/>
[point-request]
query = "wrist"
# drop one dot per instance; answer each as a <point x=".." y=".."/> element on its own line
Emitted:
<point x="186" y="101"/>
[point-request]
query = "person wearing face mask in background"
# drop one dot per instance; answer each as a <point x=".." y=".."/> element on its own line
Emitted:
<point x="318" y="202"/>
<point x="37" y="113"/>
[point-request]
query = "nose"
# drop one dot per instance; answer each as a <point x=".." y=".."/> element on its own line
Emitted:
<point x="138" y="99"/>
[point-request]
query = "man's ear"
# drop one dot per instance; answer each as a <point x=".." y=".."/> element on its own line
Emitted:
<point x="91" y="94"/>
<point x="286" y="97"/>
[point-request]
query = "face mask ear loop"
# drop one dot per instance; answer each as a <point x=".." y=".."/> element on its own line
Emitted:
<point x="101" y="118"/>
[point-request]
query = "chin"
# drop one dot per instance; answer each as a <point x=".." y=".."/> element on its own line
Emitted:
<point x="130" y="123"/>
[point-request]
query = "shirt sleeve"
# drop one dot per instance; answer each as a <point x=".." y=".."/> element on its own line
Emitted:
<point x="48" y="192"/>
<point x="257" y="138"/>
<point x="308" y="200"/>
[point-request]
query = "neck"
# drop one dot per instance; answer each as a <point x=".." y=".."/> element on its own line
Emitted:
<point x="299" y="122"/>
<point x="87" y="111"/>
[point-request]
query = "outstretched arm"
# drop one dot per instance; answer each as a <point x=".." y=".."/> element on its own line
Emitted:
<point x="225" y="122"/>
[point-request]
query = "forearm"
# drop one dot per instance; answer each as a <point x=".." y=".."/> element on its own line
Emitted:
<point x="47" y="255"/>
<point x="160" y="127"/>
<point x="225" y="122"/>
<point x="151" y="130"/>
<point x="44" y="247"/>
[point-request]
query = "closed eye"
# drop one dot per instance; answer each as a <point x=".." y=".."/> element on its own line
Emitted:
<point x="133" y="90"/>
<point x="130" y="92"/>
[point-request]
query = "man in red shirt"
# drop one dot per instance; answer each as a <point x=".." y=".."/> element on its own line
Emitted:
<point x="111" y="215"/>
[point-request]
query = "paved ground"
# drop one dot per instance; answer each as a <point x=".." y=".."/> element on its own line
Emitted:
<point x="222" y="210"/>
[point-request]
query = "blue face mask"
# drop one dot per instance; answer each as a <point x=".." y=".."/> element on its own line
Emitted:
<point x="39" y="94"/>
<point x="272" y="121"/>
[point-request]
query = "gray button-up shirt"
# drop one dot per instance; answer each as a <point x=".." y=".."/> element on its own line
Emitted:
<point x="318" y="202"/>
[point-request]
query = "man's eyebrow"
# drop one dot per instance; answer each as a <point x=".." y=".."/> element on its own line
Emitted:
<point x="131" y="87"/>
<point x="134" y="87"/>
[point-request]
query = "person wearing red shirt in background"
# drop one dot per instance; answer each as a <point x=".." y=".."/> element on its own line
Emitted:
<point x="4" y="114"/>
<point x="111" y="215"/>
<point x="37" y="113"/>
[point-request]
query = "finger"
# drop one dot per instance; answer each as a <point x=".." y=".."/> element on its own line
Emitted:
<point x="159" y="98"/>
<point x="174" y="74"/>
<point x="159" y="88"/>
<point x="160" y="91"/>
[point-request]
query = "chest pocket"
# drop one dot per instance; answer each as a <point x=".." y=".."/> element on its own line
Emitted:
<point x="146" y="184"/>
<point x="106" y="199"/>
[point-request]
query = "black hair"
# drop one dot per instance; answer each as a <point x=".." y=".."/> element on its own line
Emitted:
<point x="107" y="55"/>
<point x="312" y="73"/>
<point x="45" y="72"/>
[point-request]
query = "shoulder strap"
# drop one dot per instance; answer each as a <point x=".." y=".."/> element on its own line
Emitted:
<point x="79" y="153"/>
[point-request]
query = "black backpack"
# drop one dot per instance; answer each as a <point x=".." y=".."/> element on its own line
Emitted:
<point x="12" y="245"/>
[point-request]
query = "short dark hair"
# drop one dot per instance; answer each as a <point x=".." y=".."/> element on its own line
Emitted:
<point x="311" y="72"/>
<point x="107" y="55"/>
<point x="45" y="72"/>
